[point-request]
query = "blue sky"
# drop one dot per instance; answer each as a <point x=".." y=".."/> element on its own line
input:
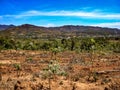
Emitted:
<point x="104" y="13"/>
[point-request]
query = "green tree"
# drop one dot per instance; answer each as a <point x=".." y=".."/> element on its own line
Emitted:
<point x="64" y="43"/>
<point x="46" y="46"/>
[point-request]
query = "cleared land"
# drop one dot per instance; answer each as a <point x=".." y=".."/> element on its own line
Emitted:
<point x="102" y="72"/>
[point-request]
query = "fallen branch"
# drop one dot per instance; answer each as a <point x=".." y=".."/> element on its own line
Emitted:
<point x="107" y="71"/>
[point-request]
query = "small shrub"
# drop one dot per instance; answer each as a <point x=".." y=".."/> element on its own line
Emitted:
<point x="18" y="68"/>
<point x="51" y="71"/>
<point x="29" y="59"/>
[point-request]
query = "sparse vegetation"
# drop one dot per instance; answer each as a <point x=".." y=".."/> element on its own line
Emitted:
<point x="74" y="60"/>
<point x="18" y="68"/>
<point x="51" y="71"/>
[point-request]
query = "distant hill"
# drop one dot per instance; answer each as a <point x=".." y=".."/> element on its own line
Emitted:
<point x="32" y="31"/>
<point x="3" y="27"/>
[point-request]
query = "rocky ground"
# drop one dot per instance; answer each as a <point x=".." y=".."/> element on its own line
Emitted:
<point x="101" y="71"/>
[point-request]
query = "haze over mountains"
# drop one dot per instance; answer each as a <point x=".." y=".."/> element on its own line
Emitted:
<point x="32" y="31"/>
<point x="3" y="27"/>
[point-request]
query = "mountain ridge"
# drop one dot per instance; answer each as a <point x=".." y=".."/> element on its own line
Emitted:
<point x="4" y="27"/>
<point x="29" y="30"/>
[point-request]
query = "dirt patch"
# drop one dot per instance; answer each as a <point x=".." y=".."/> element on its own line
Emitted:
<point x="102" y="73"/>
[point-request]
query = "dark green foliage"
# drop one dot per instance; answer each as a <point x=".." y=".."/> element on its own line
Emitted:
<point x="55" y="43"/>
<point x="87" y="44"/>
<point x="64" y="43"/>
<point x="29" y="46"/>
<point x="101" y="42"/>
<point x="46" y="46"/>
<point x="17" y="66"/>
<point x="115" y="47"/>
<point x="6" y="43"/>
<point x="74" y="43"/>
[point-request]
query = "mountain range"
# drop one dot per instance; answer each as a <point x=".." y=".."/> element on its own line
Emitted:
<point x="32" y="31"/>
<point x="3" y="27"/>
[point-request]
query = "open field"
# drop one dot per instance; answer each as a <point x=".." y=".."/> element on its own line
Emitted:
<point x="102" y="72"/>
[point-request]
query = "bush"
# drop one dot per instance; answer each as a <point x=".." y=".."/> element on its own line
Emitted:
<point x="87" y="44"/>
<point x="115" y="47"/>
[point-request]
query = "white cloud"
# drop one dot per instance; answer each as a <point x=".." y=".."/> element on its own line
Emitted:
<point x="82" y="14"/>
<point x="110" y="25"/>
<point x="50" y="25"/>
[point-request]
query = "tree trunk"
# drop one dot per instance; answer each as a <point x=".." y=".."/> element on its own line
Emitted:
<point x="0" y="76"/>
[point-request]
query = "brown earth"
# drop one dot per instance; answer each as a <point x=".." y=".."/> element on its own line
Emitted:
<point x="101" y="72"/>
